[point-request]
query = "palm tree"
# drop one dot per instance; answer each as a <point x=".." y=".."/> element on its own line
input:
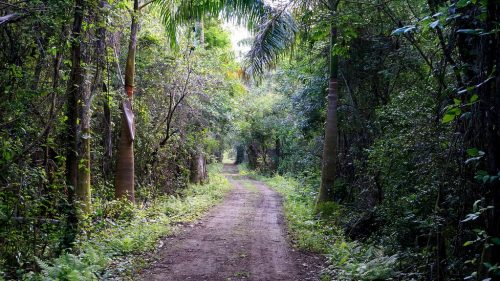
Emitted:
<point x="275" y="37"/>
<point x="174" y="14"/>
<point x="329" y="166"/>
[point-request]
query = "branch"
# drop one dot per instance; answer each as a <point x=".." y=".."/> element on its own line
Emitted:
<point x="146" y="4"/>
<point x="11" y="18"/>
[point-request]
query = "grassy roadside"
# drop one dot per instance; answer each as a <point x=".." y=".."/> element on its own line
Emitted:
<point x="347" y="260"/>
<point x="111" y="243"/>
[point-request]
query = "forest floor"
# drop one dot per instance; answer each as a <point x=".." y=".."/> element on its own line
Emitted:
<point x="243" y="238"/>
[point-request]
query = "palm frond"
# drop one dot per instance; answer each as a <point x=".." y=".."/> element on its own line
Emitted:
<point x="275" y="36"/>
<point x="175" y="13"/>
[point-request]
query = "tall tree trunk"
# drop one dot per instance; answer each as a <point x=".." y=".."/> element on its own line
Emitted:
<point x="482" y="56"/>
<point x="491" y="102"/>
<point x="107" y="136"/>
<point x="73" y="93"/>
<point x="83" y="192"/>
<point x="329" y="166"/>
<point x="101" y="85"/>
<point x="252" y="156"/>
<point x="124" y="181"/>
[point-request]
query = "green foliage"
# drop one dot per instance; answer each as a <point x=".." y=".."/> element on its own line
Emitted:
<point x="348" y="260"/>
<point x="216" y="36"/>
<point x="111" y="245"/>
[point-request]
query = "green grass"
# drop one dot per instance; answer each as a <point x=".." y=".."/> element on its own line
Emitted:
<point x="347" y="260"/>
<point x="112" y="244"/>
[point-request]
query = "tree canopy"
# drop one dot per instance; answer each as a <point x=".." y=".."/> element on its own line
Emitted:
<point x="378" y="122"/>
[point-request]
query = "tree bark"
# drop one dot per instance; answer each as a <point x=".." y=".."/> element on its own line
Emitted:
<point x="491" y="130"/>
<point x="124" y="181"/>
<point x="107" y="137"/>
<point x="252" y="156"/>
<point x="83" y="190"/>
<point x="198" y="168"/>
<point x="329" y="165"/>
<point x="73" y="94"/>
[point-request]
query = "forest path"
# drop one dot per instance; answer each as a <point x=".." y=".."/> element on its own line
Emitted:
<point x="243" y="238"/>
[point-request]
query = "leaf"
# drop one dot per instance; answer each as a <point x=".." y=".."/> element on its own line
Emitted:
<point x="472" y="159"/>
<point x="468" y="243"/>
<point x="404" y="29"/>
<point x="462" y="3"/>
<point x="495" y="240"/>
<point x="434" y="24"/>
<point x="473" y="152"/>
<point x="447" y="118"/>
<point x="471" y="31"/>
<point x="473" y="98"/>
<point x="451" y="114"/>
<point x="470" y="217"/>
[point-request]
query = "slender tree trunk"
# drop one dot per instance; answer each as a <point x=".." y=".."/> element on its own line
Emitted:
<point x="102" y="87"/>
<point x="124" y="181"/>
<point x="83" y="191"/>
<point x="107" y="137"/>
<point x="219" y="154"/>
<point x="73" y="94"/>
<point x="329" y="166"/>
<point x="49" y="168"/>
<point x="252" y="156"/>
<point x="277" y="159"/>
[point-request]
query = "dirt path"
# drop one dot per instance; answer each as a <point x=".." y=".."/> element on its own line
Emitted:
<point x="243" y="238"/>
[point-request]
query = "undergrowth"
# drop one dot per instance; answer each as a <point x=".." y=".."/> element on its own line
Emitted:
<point x="117" y="232"/>
<point x="347" y="260"/>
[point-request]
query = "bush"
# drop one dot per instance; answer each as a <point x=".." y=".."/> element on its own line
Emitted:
<point x="348" y="260"/>
<point x="111" y="244"/>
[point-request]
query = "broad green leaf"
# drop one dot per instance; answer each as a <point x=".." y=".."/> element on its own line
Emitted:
<point x="474" y="152"/>
<point x="462" y="3"/>
<point x="474" y="98"/>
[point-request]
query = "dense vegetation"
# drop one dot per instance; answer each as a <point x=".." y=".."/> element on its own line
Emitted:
<point x="378" y="122"/>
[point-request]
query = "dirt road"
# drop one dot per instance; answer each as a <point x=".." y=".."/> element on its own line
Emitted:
<point x="244" y="238"/>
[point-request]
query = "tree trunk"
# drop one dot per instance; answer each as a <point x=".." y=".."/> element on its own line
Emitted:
<point x="219" y="154"/>
<point x="278" y="152"/>
<point x="107" y="137"/>
<point x="329" y="166"/>
<point x="83" y="191"/>
<point x="252" y="156"/>
<point x="124" y="181"/>
<point x="481" y="54"/>
<point x="198" y="168"/>
<point x="491" y="102"/>
<point x="73" y="94"/>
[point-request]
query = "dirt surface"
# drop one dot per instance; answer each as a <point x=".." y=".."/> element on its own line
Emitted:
<point x="244" y="238"/>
